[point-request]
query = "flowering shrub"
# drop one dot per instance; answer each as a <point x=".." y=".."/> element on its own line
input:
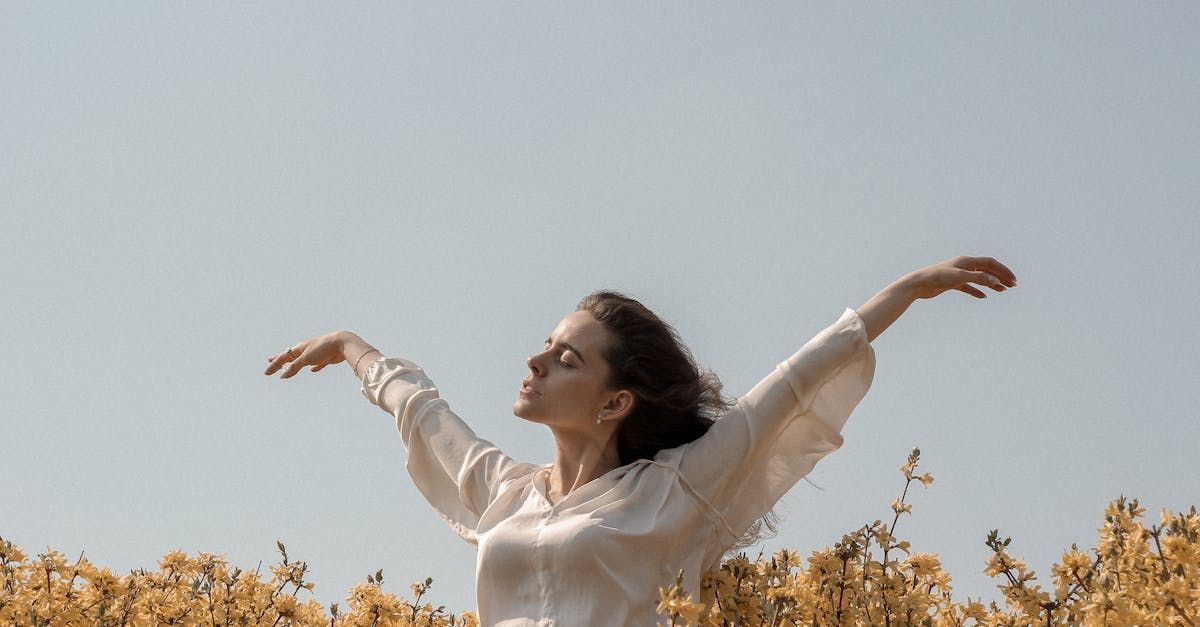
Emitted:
<point x="1124" y="583"/>
<point x="196" y="591"/>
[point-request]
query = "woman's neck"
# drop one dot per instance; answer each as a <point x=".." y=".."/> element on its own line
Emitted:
<point x="580" y="458"/>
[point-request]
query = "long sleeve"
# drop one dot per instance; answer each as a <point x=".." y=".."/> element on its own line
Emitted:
<point x="459" y="473"/>
<point x="778" y="431"/>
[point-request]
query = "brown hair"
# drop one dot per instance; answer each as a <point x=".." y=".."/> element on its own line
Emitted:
<point x="675" y="402"/>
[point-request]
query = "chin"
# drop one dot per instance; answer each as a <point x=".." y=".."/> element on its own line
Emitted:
<point x="522" y="412"/>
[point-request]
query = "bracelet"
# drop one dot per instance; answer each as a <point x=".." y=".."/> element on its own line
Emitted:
<point x="359" y="360"/>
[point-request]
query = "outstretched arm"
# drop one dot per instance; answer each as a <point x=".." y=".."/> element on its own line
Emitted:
<point x="459" y="473"/>
<point x="778" y="431"/>
<point x="956" y="273"/>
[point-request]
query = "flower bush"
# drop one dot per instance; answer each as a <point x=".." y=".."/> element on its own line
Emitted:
<point x="194" y="591"/>
<point x="1123" y="582"/>
<point x="1134" y="576"/>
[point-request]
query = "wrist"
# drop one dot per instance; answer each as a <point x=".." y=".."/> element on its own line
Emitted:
<point x="352" y="346"/>
<point x="344" y="341"/>
<point x="909" y="285"/>
<point x="366" y="356"/>
<point x="356" y="352"/>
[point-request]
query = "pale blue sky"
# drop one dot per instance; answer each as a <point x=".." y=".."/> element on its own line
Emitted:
<point x="187" y="189"/>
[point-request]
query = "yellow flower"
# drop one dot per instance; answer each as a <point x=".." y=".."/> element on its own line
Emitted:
<point x="284" y="604"/>
<point x="923" y="563"/>
<point x="995" y="565"/>
<point x="1075" y="561"/>
<point x="174" y="560"/>
<point x="1180" y="550"/>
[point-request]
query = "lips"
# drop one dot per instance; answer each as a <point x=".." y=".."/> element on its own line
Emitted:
<point x="528" y="389"/>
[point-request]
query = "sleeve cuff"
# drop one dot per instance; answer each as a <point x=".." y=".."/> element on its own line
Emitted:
<point x="825" y="355"/>
<point x="382" y="370"/>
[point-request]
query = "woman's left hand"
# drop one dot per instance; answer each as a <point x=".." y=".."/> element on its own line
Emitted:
<point x="959" y="273"/>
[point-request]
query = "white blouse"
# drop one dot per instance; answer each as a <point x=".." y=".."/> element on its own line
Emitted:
<point x="599" y="555"/>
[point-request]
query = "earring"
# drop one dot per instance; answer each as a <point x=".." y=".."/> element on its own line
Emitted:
<point x="598" y="417"/>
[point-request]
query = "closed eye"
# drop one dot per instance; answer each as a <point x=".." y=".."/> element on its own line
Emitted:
<point x="565" y="347"/>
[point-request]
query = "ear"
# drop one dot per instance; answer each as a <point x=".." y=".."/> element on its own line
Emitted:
<point x="619" y="405"/>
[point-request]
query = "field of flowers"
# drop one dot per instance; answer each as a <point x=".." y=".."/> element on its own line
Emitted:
<point x="1134" y="576"/>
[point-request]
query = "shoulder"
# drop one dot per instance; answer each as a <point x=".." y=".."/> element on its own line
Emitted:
<point x="518" y="476"/>
<point x="667" y="458"/>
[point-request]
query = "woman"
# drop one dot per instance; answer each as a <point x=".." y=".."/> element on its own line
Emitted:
<point x="645" y="482"/>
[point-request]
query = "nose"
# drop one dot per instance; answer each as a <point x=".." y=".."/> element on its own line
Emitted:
<point x="533" y="366"/>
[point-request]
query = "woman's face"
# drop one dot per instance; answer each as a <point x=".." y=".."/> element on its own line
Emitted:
<point x="567" y="382"/>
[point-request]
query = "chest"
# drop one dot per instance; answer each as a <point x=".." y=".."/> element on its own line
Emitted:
<point x="613" y="521"/>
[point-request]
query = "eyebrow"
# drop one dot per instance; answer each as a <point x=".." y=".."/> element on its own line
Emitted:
<point x="570" y="348"/>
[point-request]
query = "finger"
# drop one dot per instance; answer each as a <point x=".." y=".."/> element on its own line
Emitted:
<point x="970" y="290"/>
<point x="282" y="358"/>
<point x="999" y="270"/>
<point x="276" y="362"/>
<point x="291" y="370"/>
<point x="273" y="363"/>
<point x="317" y="368"/>
<point x="1005" y="274"/>
<point x="995" y="268"/>
<point x="983" y="278"/>
<point x="302" y="360"/>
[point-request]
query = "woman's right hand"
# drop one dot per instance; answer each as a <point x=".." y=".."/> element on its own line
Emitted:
<point x="317" y="352"/>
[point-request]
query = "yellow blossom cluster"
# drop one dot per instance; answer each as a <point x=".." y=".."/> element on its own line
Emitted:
<point x="185" y="591"/>
<point x="1125" y="582"/>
